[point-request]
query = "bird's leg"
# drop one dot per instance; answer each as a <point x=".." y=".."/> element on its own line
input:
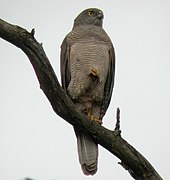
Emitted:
<point x="87" y="111"/>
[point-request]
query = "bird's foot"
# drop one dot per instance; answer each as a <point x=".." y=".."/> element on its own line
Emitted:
<point x="94" y="74"/>
<point x="92" y="117"/>
<point x="96" y="119"/>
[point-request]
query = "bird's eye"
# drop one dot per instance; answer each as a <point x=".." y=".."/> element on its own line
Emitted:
<point x="90" y="13"/>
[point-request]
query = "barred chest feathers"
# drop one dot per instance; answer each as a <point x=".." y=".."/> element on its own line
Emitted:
<point x="88" y="63"/>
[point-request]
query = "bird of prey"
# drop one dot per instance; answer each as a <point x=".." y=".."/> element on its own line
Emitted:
<point x="87" y="74"/>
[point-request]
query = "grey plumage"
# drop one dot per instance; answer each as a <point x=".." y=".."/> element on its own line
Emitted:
<point x="87" y="74"/>
<point x="87" y="152"/>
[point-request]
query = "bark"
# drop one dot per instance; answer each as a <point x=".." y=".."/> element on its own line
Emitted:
<point x="131" y="159"/>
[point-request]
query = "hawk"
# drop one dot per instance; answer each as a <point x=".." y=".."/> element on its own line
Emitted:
<point x="87" y="74"/>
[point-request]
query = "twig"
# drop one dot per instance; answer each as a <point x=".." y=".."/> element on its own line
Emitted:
<point x="117" y="130"/>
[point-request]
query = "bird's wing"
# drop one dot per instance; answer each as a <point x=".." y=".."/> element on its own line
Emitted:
<point x="109" y="82"/>
<point x="64" y="64"/>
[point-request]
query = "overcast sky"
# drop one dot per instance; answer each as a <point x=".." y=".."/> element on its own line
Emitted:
<point x="34" y="141"/>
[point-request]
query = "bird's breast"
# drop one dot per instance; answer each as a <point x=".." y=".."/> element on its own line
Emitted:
<point x="84" y="56"/>
<point x="89" y="63"/>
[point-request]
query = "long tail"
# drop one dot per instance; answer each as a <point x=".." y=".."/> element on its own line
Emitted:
<point x="88" y="153"/>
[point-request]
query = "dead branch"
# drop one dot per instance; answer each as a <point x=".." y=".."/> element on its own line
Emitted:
<point x="131" y="159"/>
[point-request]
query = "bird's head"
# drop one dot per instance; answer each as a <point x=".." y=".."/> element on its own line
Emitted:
<point x="91" y="16"/>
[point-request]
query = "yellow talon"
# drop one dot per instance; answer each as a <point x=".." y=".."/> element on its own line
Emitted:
<point x="92" y="117"/>
<point x="96" y="119"/>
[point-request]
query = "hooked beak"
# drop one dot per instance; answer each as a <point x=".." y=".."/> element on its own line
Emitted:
<point x="100" y="15"/>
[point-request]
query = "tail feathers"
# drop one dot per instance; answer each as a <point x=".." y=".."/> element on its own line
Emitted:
<point x="88" y="154"/>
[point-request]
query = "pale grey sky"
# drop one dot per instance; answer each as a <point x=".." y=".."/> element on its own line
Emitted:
<point x="34" y="141"/>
